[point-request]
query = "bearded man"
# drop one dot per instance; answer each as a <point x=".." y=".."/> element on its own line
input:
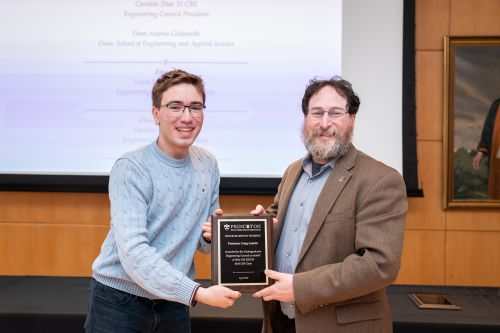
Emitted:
<point x="339" y="229"/>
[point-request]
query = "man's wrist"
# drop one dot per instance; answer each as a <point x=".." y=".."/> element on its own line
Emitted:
<point x="193" y="301"/>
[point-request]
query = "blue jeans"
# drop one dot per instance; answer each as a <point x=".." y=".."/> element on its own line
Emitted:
<point x="112" y="310"/>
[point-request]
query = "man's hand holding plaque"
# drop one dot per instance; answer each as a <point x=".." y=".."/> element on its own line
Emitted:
<point x="216" y="295"/>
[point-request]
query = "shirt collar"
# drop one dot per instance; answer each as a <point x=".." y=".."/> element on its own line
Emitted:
<point x="307" y="164"/>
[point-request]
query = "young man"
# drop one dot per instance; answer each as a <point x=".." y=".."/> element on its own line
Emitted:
<point x="339" y="230"/>
<point x="160" y="196"/>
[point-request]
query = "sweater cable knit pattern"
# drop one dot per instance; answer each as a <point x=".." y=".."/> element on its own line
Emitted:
<point x="158" y="205"/>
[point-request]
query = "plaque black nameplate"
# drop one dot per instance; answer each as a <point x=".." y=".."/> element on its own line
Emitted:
<point x="241" y="251"/>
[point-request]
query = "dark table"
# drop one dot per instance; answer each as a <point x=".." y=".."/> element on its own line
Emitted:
<point x="59" y="304"/>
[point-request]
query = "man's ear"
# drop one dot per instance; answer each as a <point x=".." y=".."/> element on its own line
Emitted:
<point x="154" y="112"/>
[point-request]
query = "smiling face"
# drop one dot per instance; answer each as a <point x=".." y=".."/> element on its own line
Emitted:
<point x="178" y="130"/>
<point x="327" y="138"/>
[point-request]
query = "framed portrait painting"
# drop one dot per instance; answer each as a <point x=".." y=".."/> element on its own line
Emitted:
<point x="472" y="122"/>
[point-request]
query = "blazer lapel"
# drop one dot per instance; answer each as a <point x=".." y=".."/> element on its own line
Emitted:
<point x="334" y="185"/>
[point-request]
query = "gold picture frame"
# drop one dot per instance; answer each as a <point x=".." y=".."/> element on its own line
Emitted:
<point x="472" y="92"/>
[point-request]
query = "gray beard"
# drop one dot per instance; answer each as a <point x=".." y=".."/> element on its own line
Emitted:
<point x="328" y="151"/>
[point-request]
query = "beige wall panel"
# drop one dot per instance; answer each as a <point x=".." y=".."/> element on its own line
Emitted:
<point x="429" y="95"/>
<point x="432" y="23"/>
<point x="474" y="18"/>
<point x="243" y="204"/>
<point x="422" y="261"/>
<point x="473" y="219"/>
<point x="427" y="212"/>
<point x="203" y="266"/>
<point x="472" y="258"/>
<point x="54" y="207"/>
<point x="53" y="250"/>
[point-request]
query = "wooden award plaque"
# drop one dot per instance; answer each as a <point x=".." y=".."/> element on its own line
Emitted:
<point x="241" y="251"/>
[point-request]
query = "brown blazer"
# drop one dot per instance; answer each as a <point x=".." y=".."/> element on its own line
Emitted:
<point x="351" y="250"/>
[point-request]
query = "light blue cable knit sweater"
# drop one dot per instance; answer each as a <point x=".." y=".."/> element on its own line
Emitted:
<point x="158" y="205"/>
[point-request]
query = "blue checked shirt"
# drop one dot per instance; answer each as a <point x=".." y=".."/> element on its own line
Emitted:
<point x="297" y="220"/>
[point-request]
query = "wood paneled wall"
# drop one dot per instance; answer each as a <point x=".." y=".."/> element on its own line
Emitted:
<point x="60" y="233"/>
<point x="454" y="246"/>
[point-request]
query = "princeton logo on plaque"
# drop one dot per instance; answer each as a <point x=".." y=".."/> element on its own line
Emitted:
<point x="241" y="251"/>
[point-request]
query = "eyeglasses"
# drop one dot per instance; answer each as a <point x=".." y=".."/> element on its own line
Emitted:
<point x="332" y="114"/>
<point x="177" y="108"/>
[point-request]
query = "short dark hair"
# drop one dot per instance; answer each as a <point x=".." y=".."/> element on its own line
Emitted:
<point x="173" y="78"/>
<point x="343" y="88"/>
